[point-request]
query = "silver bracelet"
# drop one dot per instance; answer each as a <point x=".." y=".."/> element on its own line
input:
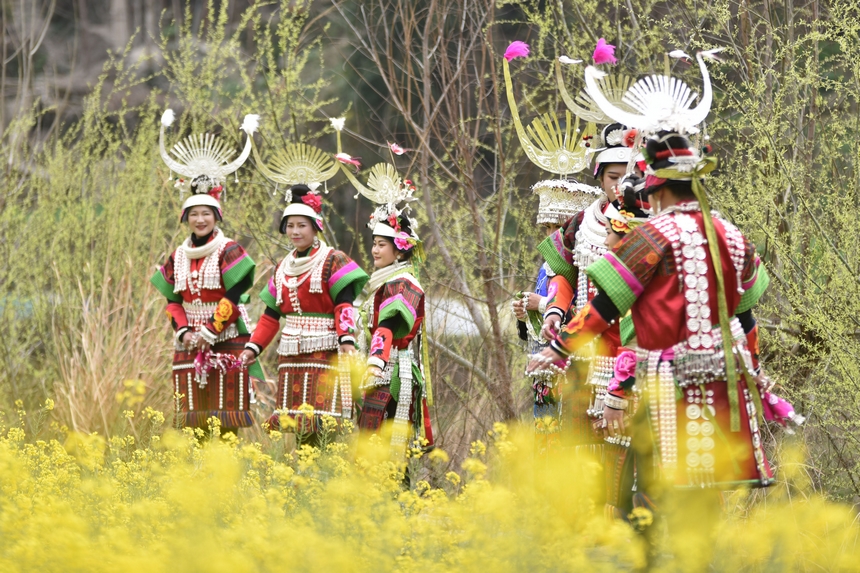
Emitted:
<point x="614" y="402"/>
<point x="542" y="304"/>
<point x="208" y="335"/>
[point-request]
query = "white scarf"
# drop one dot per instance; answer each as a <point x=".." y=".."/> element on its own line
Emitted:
<point x="209" y="275"/>
<point x="292" y="266"/>
<point x="193" y="252"/>
<point x="381" y="276"/>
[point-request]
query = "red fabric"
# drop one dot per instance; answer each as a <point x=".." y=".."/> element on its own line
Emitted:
<point x="344" y="319"/>
<point x="226" y="313"/>
<point x="310" y="302"/>
<point x="652" y="181"/>
<point x="380" y="344"/>
<point x="428" y="427"/>
<point x="412" y="295"/>
<point x="581" y="329"/>
<point x="265" y="332"/>
<point x="561" y="294"/>
<point x="662" y="322"/>
<point x="752" y="344"/>
<point x="666" y="153"/>
<point x="177" y="313"/>
<point x="232" y="252"/>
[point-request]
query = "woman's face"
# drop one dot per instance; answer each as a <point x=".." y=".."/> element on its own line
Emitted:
<point x="383" y="252"/>
<point x="612" y="174"/>
<point x="301" y="232"/>
<point x="550" y="228"/>
<point x="612" y="238"/>
<point x="201" y="220"/>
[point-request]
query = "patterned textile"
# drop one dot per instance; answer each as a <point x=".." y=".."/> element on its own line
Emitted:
<point x="224" y="396"/>
<point x="642" y="267"/>
<point x="691" y="426"/>
<point x="235" y="265"/>
<point x="312" y="379"/>
<point x="339" y="272"/>
<point x="379" y="406"/>
<point x="401" y="298"/>
<point x="557" y="249"/>
<point x="376" y="409"/>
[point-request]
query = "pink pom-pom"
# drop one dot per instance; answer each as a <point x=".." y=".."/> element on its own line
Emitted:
<point x="604" y="53"/>
<point x="517" y="50"/>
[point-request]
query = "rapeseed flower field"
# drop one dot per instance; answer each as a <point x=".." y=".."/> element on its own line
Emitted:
<point x="172" y="500"/>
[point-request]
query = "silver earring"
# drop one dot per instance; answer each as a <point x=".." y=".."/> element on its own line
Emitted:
<point x="316" y="242"/>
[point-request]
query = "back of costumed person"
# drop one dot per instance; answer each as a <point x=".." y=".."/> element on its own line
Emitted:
<point x="559" y="201"/>
<point x="562" y="147"/>
<point x="312" y="288"/>
<point x="628" y="211"/>
<point x="204" y="282"/>
<point x="689" y="279"/>
<point x="396" y="386"/>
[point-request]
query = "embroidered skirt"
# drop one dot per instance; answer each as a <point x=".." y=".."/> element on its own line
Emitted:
<point x="314" y="380"/>
<point x="694" y="439"/>
<point x="225" y="396"/>
<point x="408" y="409"/>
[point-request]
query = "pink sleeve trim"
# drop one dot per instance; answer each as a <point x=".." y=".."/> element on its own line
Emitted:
<point x="343" y="271"/>
<point x="625" y="274"/>
<point x="395" y="298"/>
<point x="558" y="241"/>
<point x="234" y="263"/>
<point x="748" y="284"/>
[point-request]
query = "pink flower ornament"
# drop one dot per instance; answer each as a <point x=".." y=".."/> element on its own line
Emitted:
<point x="377" y="343"/>
<point x="401" y="241"/>
<point x="313" y="201"/>
<point x="625" y="369"/>
<point x="604" y="53"/>
<point x="347" y="319"/>
<point x="517" y="49"/>
<point x="625" y="365"/>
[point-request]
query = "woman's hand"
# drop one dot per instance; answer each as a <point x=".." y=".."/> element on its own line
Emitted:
<point x="533" y="301"/>
<point x="519" y="311"/>
<point x="614" y="421"/>
<point x="248" y="357"/>
<point x="551" y="327"/>
<point x="347" y="349"/>
<point x="543" y="359"/>
<point x="189" y="340"/>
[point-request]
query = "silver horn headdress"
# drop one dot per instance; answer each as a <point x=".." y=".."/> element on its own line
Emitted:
<point x="203" y="162"/>
<point x="659" y="102"/>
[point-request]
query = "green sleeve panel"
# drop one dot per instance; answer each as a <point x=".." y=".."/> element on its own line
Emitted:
<point x="752" y="295"/>
<point x="607" y="278"/>
<point x="240" y="269"/>
<point x="164" y="287"/>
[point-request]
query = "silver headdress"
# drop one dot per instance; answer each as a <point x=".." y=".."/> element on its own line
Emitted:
<point x="563" y="152"/>
<point x="613" y="87"/>
<point x="203" y="162"/>
<point x="298" y="164"/>
<point x="387" y="189"/>
<point x="658" y="102"/>
<point x="561" y="199"/>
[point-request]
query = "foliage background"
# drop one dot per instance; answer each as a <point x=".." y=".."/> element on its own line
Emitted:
<point x="85" y="214"/>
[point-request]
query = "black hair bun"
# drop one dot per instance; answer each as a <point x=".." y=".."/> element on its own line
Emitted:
<point x="298" y="191"/>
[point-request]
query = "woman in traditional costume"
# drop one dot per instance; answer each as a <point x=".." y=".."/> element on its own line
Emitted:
<point x="688" y="277"/>
<point x="623" y="215"/>
<point x="312" y="289"/>
<point x="394" y="387"/>
<point x="205" y="281"/>
<point x="559" y="200"/>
